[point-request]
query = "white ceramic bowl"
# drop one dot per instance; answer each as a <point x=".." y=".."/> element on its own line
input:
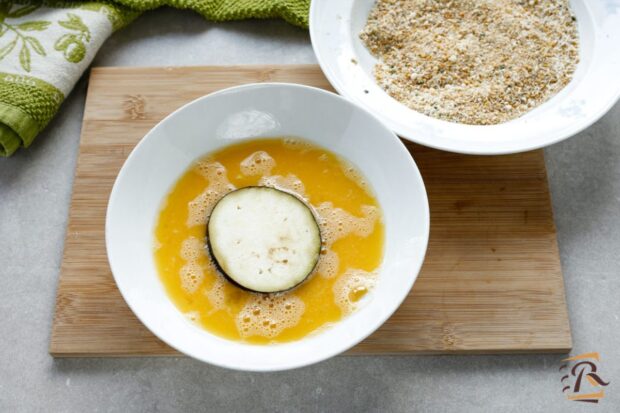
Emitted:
<point x="250" y="111"/>
<point x="335" y="28"/>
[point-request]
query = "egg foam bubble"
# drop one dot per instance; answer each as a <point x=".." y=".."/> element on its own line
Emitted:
<point x="219" y="185"/>
<point x="192" y="272"/>
<point x="268" y="315"/>
<point x="259" y="163"/>
<point x="351" y="287"/>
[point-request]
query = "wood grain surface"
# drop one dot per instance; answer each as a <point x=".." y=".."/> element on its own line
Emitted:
<point x="491" y="281"/>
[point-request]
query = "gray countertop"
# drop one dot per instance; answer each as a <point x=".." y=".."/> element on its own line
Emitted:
<point x="35" y="189"/>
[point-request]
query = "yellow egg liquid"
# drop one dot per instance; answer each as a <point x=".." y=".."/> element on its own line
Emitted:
<point x="352" y="234"/>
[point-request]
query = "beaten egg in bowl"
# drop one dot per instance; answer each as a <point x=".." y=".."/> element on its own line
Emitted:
<point x="350" y="251"/>
<point x="280" y="226"/>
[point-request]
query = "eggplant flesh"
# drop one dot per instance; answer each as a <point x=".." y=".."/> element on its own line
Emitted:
<point x="264" y="239"/>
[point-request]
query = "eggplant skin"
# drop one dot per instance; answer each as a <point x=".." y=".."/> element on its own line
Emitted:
<point x="255" y="245"/>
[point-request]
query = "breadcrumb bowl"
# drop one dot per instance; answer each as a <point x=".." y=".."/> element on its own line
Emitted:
<point x="587" y="87"/>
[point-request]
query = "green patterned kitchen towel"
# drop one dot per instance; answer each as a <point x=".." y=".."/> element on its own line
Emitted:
<point x="45" y="46"/>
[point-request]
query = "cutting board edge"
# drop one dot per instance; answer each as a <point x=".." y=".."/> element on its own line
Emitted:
<point x="463" y="352"/>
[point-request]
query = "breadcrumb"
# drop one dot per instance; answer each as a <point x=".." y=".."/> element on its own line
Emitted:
<point x="472" y="61"/>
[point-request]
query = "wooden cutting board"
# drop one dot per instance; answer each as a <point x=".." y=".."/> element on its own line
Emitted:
<point x="491" y="282"/>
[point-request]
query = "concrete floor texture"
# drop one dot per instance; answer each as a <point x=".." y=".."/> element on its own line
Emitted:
<point x="35" y="189"/>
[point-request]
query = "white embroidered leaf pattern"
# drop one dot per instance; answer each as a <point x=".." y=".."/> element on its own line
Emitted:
<point x="33" y="26"/>
<point x="73" y="45"/>
<point x="36" y="45"/>
<point x="74" y="23"/>
<point x="8" y="48"/>
<point x="17" y="33"/>
<point x="24" y="58"/>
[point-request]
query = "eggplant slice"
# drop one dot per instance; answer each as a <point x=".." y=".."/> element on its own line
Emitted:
<point x="264" y="239"/>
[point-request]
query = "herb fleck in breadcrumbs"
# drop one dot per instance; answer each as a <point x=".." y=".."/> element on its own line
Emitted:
<point x="472" y="61"/>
